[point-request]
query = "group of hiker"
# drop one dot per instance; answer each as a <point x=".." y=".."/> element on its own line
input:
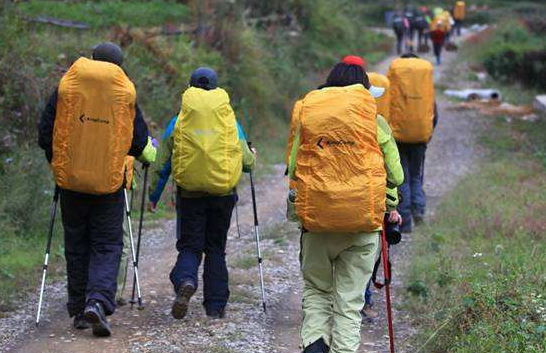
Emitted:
<point x="438" y="25"/>
<point x="355" y="143"/>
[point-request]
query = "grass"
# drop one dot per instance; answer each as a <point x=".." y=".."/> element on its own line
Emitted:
<point x="100" y="14"/>
<point x="477" y="279"/>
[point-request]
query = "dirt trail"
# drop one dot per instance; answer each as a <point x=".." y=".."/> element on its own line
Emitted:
<point x="246" y="329"/>
<point x="450" y="156"/>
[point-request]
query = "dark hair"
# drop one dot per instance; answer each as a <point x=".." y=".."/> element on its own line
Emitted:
<point x="409" y="55"/>
<point x="345" y="75"/>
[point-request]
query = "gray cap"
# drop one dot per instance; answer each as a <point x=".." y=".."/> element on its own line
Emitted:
<point x="108" y="52"/>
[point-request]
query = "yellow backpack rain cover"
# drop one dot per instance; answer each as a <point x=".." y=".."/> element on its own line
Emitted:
<point x="459" y="12"/>
<point x="383" y="102"/>
<point x="207" y="154"/>
<point x="341" y="178"/>
<point x="93" y="127"/>
<point x="412" y="100"/>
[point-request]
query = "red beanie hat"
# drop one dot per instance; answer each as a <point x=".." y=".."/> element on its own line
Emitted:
<point x="354" y="60"/>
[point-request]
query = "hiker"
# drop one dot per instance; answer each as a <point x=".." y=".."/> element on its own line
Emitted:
<point x="392" y="216"/>
<point x="342" y="162"/>
<point x="412" y="122"/>
<point x="130" y="185"/>
<point x="393" y="220"/>
<point x="89" y="125"/>
<point x="398" y="28"/>
<point x="421" y="26"/>
<point x="409" y="28"/>
<point x="438" y="36"/>
<point x="207" y="151"/>
<point x="459" y="14"/>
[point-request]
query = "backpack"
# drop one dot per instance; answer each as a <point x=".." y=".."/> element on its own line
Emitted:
<point x="207" y="155"/>
<point x="459" y="12"/>
<point x="383" y="102"/>
<point x="340" y="172"/>
<point x="93" y="127"/>
<point x="412" y="99"/>
<point x="398" y="23"/>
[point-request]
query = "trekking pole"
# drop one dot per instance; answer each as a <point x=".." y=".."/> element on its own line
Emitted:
<point x="53" y="212"/>
<point x="132" y="241"/>
<point x="257" y="235"/>
<point x="137" y="257"/>
<point x="387" y="274"/>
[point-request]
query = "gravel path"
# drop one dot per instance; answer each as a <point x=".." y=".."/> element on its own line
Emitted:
<point x="246" y="329"/>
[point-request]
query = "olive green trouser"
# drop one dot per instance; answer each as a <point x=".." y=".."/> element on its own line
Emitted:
<point x="336" y="269"/>
<point x="125" y="254"/>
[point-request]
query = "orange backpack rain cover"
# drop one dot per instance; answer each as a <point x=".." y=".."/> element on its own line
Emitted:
<point x="93" y="127"/>
<point x="341" y="178"/>
<point x="412" y="100"/>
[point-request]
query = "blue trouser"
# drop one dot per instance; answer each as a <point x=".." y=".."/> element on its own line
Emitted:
<point x="203" y="226"/>
<point x="412" y="157"/>
<point x="368" y="294"/>
<point x="93" y="235"/>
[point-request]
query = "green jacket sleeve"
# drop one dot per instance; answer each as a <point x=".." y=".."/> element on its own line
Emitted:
<point x="392" y="199"/>
<point x="395" y="173"/>
<point x="249" y="159"/>
<point x="293" y="154"/>
<point x="148" y="153"/>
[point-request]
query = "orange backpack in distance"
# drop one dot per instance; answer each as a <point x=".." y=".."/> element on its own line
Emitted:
<point x="341" y="178"/>
<point x="459" y="12"/>
<point x="412" y="100"/>
<point x="383" y="102"/>
<point x="93" y="127"/>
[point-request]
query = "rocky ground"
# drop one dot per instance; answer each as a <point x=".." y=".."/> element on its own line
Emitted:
<point x="246" y="329"/>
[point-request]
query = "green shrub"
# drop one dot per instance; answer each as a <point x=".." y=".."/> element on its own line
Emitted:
<point x="515" y="54"/>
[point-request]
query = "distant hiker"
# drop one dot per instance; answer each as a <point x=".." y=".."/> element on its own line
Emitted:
<point x="88" y="127"/>
<point x="207" y="151"/>
<point x="383" y="111"/>
<point x="412" y="119"/>
<point x="421" y="26"/>
<point x="409" y="28"/>
<point x="398" y="28"/>
<point x="459" y="14"/>
<point x="130" y="184"/>
<point x="341" y="161"/>
<point x="438" y="37"/>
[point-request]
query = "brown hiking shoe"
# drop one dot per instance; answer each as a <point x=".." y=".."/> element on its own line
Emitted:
<point x="368" y="312"/>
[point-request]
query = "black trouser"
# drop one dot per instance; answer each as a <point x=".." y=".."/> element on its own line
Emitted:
<point x="204" y="224"/>
<point x="93" y="233"/>
<point x="399" y="40"/>
<point x="438" y="50"/>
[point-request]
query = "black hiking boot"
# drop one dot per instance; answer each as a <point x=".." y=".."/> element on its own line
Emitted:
<point x="80" y="323"/>
<point x="94" y="314"/>
<point x="182" y="300"/>
<point x="317" y="347"/>
<point x="216" y="313"/>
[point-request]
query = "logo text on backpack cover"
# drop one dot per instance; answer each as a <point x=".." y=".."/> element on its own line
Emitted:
<point x="322" y="143"/>
<point x="83" y="119"/>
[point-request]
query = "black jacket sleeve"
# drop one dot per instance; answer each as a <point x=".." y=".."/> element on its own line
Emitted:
<point x="140" y="134"/>
<point x="45" y="126"/>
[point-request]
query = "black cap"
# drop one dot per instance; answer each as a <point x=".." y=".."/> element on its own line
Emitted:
<point x="204" y="77"/>
<point x="108" y="52"/>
